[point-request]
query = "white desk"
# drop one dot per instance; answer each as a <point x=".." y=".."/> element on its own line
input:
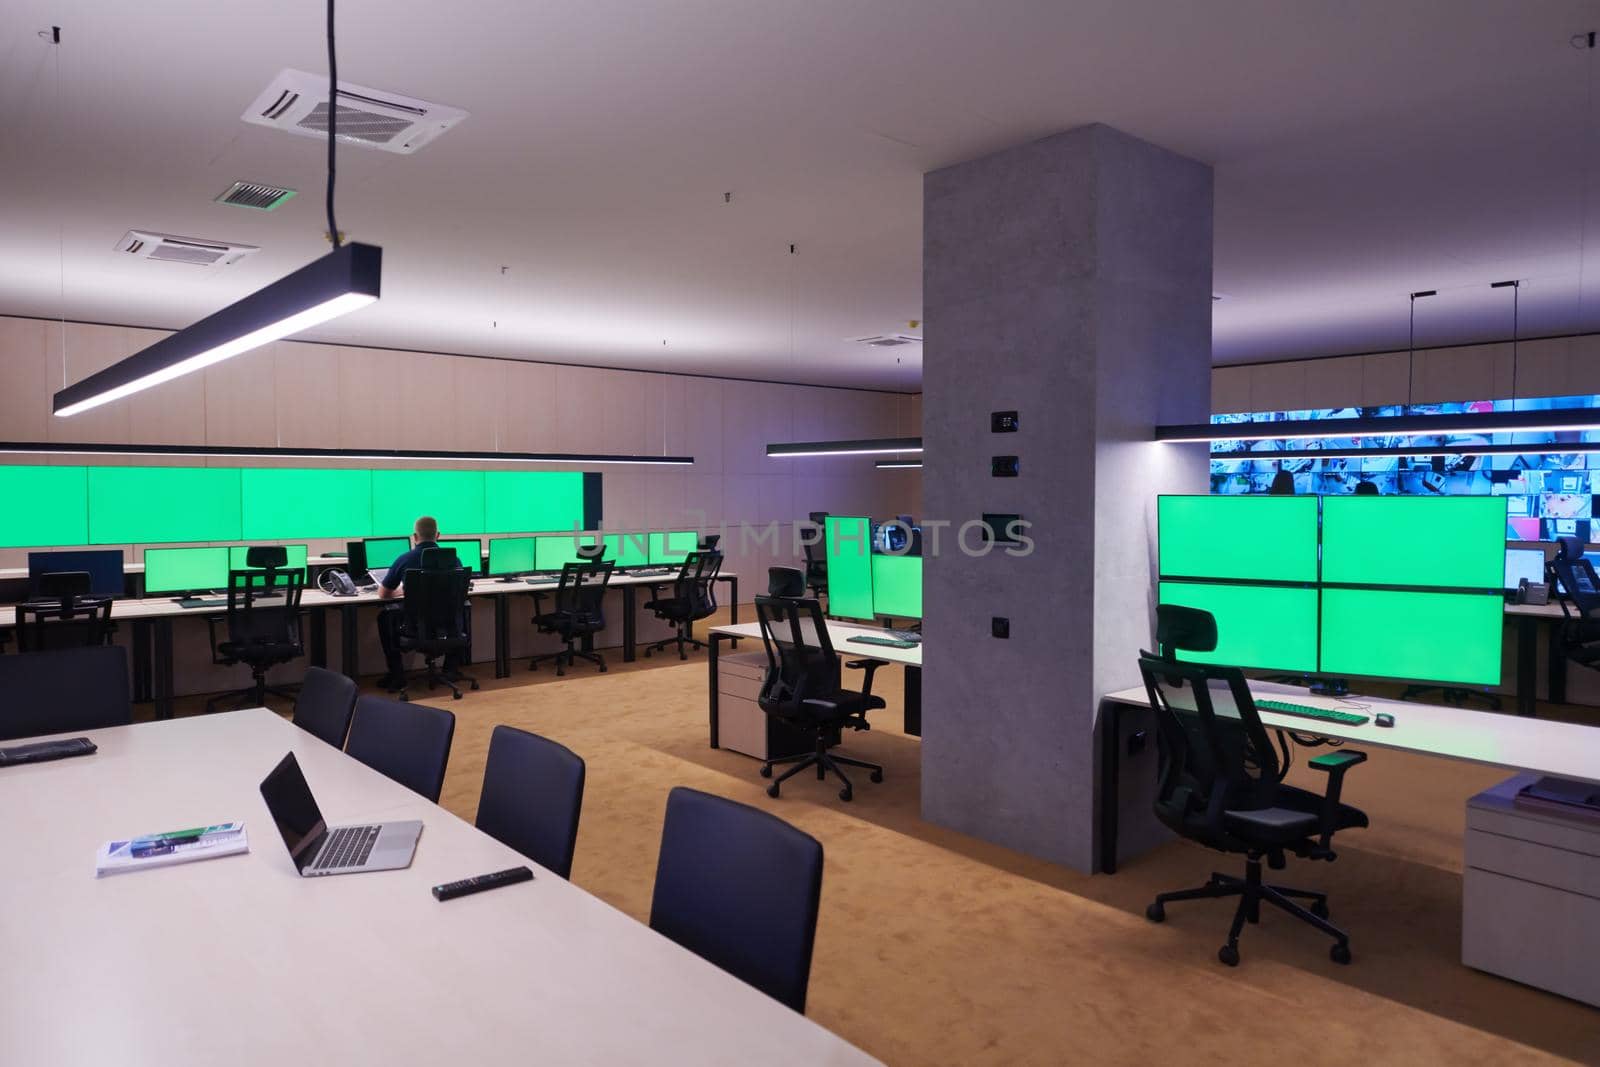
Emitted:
<point x="239" y="961"/>
<point x="1490" y="738"/>
<point x="839" y="634"/>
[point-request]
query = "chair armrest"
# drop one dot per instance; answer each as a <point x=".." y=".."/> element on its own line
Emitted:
<point x="1334" y="764"/>
<point x="870" y="666"/>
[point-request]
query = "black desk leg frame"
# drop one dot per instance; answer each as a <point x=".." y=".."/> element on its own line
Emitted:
<point x="1110" y="761"/>
<point x="349" y="646"/>
<point x="630" y="624"/>
<point x="1527" y="663"/>
<point x="502" y="636"/>
<point x="319" y="638"/>
<point x="712" y="645"/>
<point x="913" y="699"/>
<point x="161" y="667"/>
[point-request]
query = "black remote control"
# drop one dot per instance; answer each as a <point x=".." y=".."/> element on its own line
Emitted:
<point x="468" y="886"/>
<point x="40" y="751"/>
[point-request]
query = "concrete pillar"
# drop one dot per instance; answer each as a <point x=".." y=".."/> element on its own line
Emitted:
<point x="1068" y="280"/>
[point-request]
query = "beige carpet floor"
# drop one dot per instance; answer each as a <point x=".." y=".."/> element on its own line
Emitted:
<point x="936" y="948"/>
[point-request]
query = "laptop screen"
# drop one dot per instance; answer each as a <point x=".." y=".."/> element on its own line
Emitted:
<point x="293" y="808"/>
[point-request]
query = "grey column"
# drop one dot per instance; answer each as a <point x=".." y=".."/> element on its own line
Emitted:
<point x="1068" y="280"/>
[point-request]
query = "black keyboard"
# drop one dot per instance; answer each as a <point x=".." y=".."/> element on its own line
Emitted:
<point x="883" y="642"/>
<point x="195" y="602"/>
<point x="1306" y="711"/>
<point x="348" y="846"/>
<point x="904" y="635"/>
<point x="40" y="751"/>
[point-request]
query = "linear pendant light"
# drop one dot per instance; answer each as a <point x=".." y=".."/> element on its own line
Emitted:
<point x="1483" y="422"/>
<point x="338" y="283"/>
<point x="898" y="464"/>
<point x="55" y="448"/>
<point x="866" y="447"/>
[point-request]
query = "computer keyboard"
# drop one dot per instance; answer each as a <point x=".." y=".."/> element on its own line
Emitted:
<point x="1282" y="707"/>
<point x="904" y="635"/>
<point x="652" y="572"/>
<point x="192" y="602"/>
<point x="348" y="846"/>
<point x="883" y="642"/>
<point x="41" y="751"/>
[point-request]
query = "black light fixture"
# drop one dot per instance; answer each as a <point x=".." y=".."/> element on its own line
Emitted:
<point x="340" y="282"/>
<point x="898" y="464"/>
<point x="866" y="447"/>
<point x="55" y="448"/>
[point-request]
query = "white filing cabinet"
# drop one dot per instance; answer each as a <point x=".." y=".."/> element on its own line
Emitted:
<point x="1531" y="894"/>
<point x="741" y="724"/>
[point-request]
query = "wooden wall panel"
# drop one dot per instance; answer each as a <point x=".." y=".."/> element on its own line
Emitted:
<point x="310" y="391"/>
<point x="1230" y="390"/>
<point x="88" y="349"/>
<point x="242" y="399"/>
<point x="25" y="393"/>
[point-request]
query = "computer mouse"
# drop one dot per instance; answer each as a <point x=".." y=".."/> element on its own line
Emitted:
<point x="1383" y="719"/>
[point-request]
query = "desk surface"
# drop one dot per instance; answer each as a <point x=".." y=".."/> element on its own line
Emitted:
<point x="839" y="633"/>
<point x="240" y="961"/>
<point x="1492" y="738"/>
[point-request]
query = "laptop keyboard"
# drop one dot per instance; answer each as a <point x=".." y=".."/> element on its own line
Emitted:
<point x="348" y="846"/>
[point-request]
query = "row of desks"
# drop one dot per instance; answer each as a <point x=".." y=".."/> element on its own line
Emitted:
<point x="152" y="622"/>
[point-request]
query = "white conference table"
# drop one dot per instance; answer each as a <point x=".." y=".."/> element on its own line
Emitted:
<point x="239" y="961"/>
<point x="1495" y="739"/>
<point x="839" y="634"/>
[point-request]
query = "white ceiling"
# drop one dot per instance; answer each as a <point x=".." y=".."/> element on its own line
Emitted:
<point x="1363" y="150"/>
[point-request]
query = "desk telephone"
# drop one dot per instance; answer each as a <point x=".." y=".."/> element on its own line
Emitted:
<point x="336" y="582"/>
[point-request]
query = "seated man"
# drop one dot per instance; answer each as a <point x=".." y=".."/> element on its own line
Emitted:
<point x="424" y="535"/>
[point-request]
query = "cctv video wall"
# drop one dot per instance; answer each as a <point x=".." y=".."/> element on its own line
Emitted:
<point x="1549" y="493"/>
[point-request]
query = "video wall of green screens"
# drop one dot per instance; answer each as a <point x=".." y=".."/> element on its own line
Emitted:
<point x="1399" y="587"/>
<point x="108" y="505"/>
<point x="897" y="586"/>
<point x="849" y="545"/>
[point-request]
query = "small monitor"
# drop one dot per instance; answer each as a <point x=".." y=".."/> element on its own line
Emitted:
<point x="297" y="560"/>
<point x="1524" y="563"/>
<point x="897" y="586"/>
<point x="185" y="570"/>
<point x="627" y="549"/>
<point x="510" y="556"/>
<point x="104" y="567"/>
<point x="469" y="552"/>
<point x="383" y="551"/>
<point x="672" y="546"/>
<point x="551" y="552"/>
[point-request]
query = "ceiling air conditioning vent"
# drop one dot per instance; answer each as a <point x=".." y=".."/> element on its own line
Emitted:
<point x="888" y="340"/>
<point x="255" y="195"/>
<point x="146" y="244"/>
<point x="297" y="102"/>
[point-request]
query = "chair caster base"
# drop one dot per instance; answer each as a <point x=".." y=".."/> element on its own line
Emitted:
<point x="1229" y="955"/>
<point x="845" y="794"/>
<point x="875" y="776"/>
<point x="766" y="771"/>
<point x="1340" y="953"/>
<point x="1319" y="909"/>
<point x="772" y="790"/>
<point x="1156" y="913"/>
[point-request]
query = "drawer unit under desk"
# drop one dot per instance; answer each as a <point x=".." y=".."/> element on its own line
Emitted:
<point x="741" y="724"/>
<point x="1531" y="894"/>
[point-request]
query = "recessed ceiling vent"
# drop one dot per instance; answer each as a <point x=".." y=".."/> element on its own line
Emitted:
<point x="255" y="195"/>
<point x="888" y="340"/>
<point x="146" y="244"/>
<point x="297" y="102"/>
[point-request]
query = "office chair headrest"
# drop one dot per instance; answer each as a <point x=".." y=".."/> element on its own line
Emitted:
<point x="1569" y="548"/>
<point x="440" y="559"/>
<point x="786" y="581"/>
<point x="709" y="542"/>
<point x="266" y="556"/>
<point x="1186" y="629"/>
<point x="818" y="518"/>
<point x="592" y="553"/>
<point x="1368" y="489"/>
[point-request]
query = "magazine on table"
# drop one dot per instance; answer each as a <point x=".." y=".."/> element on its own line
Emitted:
<point x="173" y="846"/>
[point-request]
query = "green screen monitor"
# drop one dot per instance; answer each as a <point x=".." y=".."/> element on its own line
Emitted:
<point x="281" y="503"/>
<point x="185" y="570"/>
<point x="1272" y="627"/>
<point x="151" y="505"/>
<point x="383" y="551"/>
<point x="237" y="555"/>
<point x="1260" y="538"/>
<point x="627" y="549"/>
<point x="510" y="556"/>
<point x="897" y="586"/>
<point x="453" y="498"/>
<point x="672" y="546"/>
<point x="554" y="551"/>
<point x="1442" y="542"/>
<point x="469" y="552"/>
<point x="1423" y="636"/>
<point x="848" y="540"/>
<point x="48" y="506"/>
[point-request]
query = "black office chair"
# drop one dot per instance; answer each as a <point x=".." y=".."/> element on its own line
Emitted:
<point x="817" y="557"/>
<point x="437" y="619"/>
<point x="64" y="690"/>
<point x="1221" y="782"/>
<point x="578" y="612"/>
<point x="532" y="796"/>
<point x="327" y="700"/>
<point x="262" y="627"/>
<point x="1578" y="592"/>
<point x="802" y="689"/>
<point x="786" y="581"/>
<point x="739" y="888"/>
<point x="64" y="615"/>
<point x="694" y="597"/>
<point x="407" y="742"/>
<point x="709" y="542"/>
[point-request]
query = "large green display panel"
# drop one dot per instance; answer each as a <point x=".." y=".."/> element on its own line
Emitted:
<point x="1437" y="637"/>
<point x="897" y="586"/>
<point x="1457" y="541"/>
<point x="1265" y="538"/>
<point x="151" y="505"/>
<point x="1273" y="627"/>
<point x="282" y="503"/>
<point x="44" y="506"/>
<point x="532" y="501"/>
<point x="849" y="544"/>
<point x="238" y="559"/>
<point x="510" y="555"/>
<point x="627" y="549"/>
<point x="183" y="570"/>
<point x="455" y="498"/>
